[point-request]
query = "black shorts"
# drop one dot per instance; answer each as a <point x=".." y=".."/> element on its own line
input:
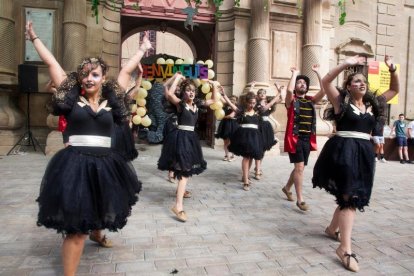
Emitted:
<point x="302" y="151"/>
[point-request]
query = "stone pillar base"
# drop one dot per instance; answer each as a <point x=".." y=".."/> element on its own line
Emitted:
<point x="54" y="142"/>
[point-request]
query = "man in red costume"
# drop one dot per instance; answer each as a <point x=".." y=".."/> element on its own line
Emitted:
<point x="300" y="135"/>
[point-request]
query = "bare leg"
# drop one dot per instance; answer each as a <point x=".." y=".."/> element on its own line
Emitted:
<point x="334" y="225"/>
<point x="246" y="163"/>
<point x="400" y="153"/>
<point x="296" y="177"/>
<point x="72" y="249"/>
<point x="406" y="153"/>
<point x="290" y="183"/>
<point x="182" y="183"/>
<point x="226" y="147"/>
<point x="258" y="169"/>
<point x="346" y="223"/>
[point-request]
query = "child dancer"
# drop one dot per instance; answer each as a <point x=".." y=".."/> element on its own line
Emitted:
<point x="265" y="108"/>
<point x="228" y="125"/>
<point x="181" y="151"/>
<point x="247" y="140"/>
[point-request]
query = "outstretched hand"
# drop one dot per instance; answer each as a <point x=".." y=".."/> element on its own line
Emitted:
<point x="355" y="60"/>
<point x="388" y="62"/>
<point x="294" y="69"/>
<point x="146" y="43"/>
<point x="315" y="68"/>
<point x="30" y="33"/>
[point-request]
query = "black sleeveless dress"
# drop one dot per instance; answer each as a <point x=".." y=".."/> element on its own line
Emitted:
<point x="228" y="126"/>
<point x="87" y="188"/>
<point x="247" y="140"/>
<point x="346" y="166"/>
<point x="266" y="128"/>
<point x="181" y="151"/>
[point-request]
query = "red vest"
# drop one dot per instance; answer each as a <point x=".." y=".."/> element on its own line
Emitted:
<point x="292" y="129"/>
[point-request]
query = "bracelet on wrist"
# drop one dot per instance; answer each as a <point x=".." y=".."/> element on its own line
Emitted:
<point x="392" y="70"/>
<point x="34" y="38"/>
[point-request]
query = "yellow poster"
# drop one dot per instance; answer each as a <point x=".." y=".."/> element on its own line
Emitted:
<point x="379" y="78"/>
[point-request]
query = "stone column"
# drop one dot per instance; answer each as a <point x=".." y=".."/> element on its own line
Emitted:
<point x="258" y="55"/>
<point x="312" y="43"/>
<point x="11" y="119"/>
<point x="74" y="33"/>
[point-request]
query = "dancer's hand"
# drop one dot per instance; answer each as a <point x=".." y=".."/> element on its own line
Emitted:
<point x="145" y="43"/>
<point x="315" y="68"/>
<point x="140" y="69"/>
<point x="278" y="87"/>
<point x="294" y="70"/>
<point x="30" y="33"/>
<point x="388" y="62"/>
<point x="355" y="60"/>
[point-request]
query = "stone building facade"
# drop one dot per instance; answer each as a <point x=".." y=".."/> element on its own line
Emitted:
<point x="258" y="41"/>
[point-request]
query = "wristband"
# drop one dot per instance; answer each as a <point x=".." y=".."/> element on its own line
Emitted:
<point x="33" y="39"/>
<point x="392" y="70"/>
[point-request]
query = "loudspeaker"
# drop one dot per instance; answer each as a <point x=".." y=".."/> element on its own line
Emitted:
<point x="27" y="78"/>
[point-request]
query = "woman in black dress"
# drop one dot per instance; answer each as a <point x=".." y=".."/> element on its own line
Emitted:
<point x="88" y="185"/>
<point x="247" y="141"/>
<point x="265" y="108"/>
<point x="345" y="168"/>
<point x="181" y="150"/>
<point x="227" y="126"/>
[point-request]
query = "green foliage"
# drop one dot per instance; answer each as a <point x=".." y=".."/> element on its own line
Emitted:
<point x="95" y="9"/>
<point x="342" y="11"/>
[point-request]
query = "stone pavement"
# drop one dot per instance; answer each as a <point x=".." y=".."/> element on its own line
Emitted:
<point x="229" y="231"/>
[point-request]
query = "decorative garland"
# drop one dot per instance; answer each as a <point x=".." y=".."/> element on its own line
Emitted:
<point x="218" y="3"/>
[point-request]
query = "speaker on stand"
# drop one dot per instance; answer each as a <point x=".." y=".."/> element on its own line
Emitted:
<point x="27" y="84"/>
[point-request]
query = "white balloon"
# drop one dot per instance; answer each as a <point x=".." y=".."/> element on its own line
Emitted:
<point x="179" y="61"/>
<point x="197" y="82"/>
<point x="146" y="121"/>
<point x="200" y="62"/>
<point x="169" y="61"/>
<point x="160" y="60"/>
<point x="142" y="93"/>
<point x="211" y="74"/>
<point x="188" y="61"/>
<point x="209" y="63"/>
<point x="146" y="85"/>
<point x="136" y="119"/>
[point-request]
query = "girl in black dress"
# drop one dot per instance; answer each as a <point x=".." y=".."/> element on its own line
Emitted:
<point x="247" y="140"/>
<point x="346" y="165"/>
<point x="228" y="125"/>
<point x="88" y="185"/>
<point x="265" y="108"/>
<point x="181" y="150"/>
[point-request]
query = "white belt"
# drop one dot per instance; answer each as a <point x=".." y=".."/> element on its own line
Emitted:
<point x="188" y="128"/>
<point x="353" y="134"/>
<point x="90" y="141"/>
<point x="249" y="126"/>
<point x="265" y="118"/>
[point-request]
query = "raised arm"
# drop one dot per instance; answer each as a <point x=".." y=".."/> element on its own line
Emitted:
<point x="291" y="86"/>
<point x="56" y="72"/>
<point x="138" y="82"/>
<point x="276" y="99"/>
<point x="126" y="71"/>
<point x="395" y="82"/>
<point x="169" y="93"/>
<point x="330" y="89"/>
<point x="252" y="86"/>
<point x="214" y="90"/>
<point x="318" y="96"/>
<point x="233" y="106"/>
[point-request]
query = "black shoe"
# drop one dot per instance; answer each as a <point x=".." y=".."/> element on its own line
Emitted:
<point x="402" y="161"/>
<point x="409" y="162"/>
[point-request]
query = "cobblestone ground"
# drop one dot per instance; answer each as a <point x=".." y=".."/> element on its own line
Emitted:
<point x="229" y="231"/>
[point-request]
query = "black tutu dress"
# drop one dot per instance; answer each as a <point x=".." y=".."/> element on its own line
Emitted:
<point x="266" y="128"/>
<point x="227" y="126"/>
<point x="181" y="151"/>
<point x="247" y="140"/>
<point x="346" y="165"/>
<point x="88" y="185"/>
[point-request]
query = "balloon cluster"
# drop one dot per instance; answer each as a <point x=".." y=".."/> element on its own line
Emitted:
<point x="206" y="88"/>
<point x="138" y="109"/>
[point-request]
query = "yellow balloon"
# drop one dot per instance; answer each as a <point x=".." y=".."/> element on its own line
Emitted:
<point x="211" y="74"/>
<point x="219" y="113"/>
<point x="133" y="108"/>
<point x="203" y="81"/>
<point x="142" y="93"/>
<point x="205" y="88"/>
<point x="141" y="102"/>
<point x="213" y="106"/>
<point x="160" y="60"/>
<point x="179" y="61"/>
<point x="169" y="61"/>
<point x="141" y="111"/>
<point x="146" y="121"/>
<point x="200" y="62"/>
<point x="146" y="85"/>
<point x="217" y="96"/>
<point x="197" y="82"/>
<point x="219" y="103"/>
<point x="136" y="119"/>
<point x="159" y="80"/>
<point x="209" y="63"/>
<point x="188" y="61"/>
<point x="208" y="96"/>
